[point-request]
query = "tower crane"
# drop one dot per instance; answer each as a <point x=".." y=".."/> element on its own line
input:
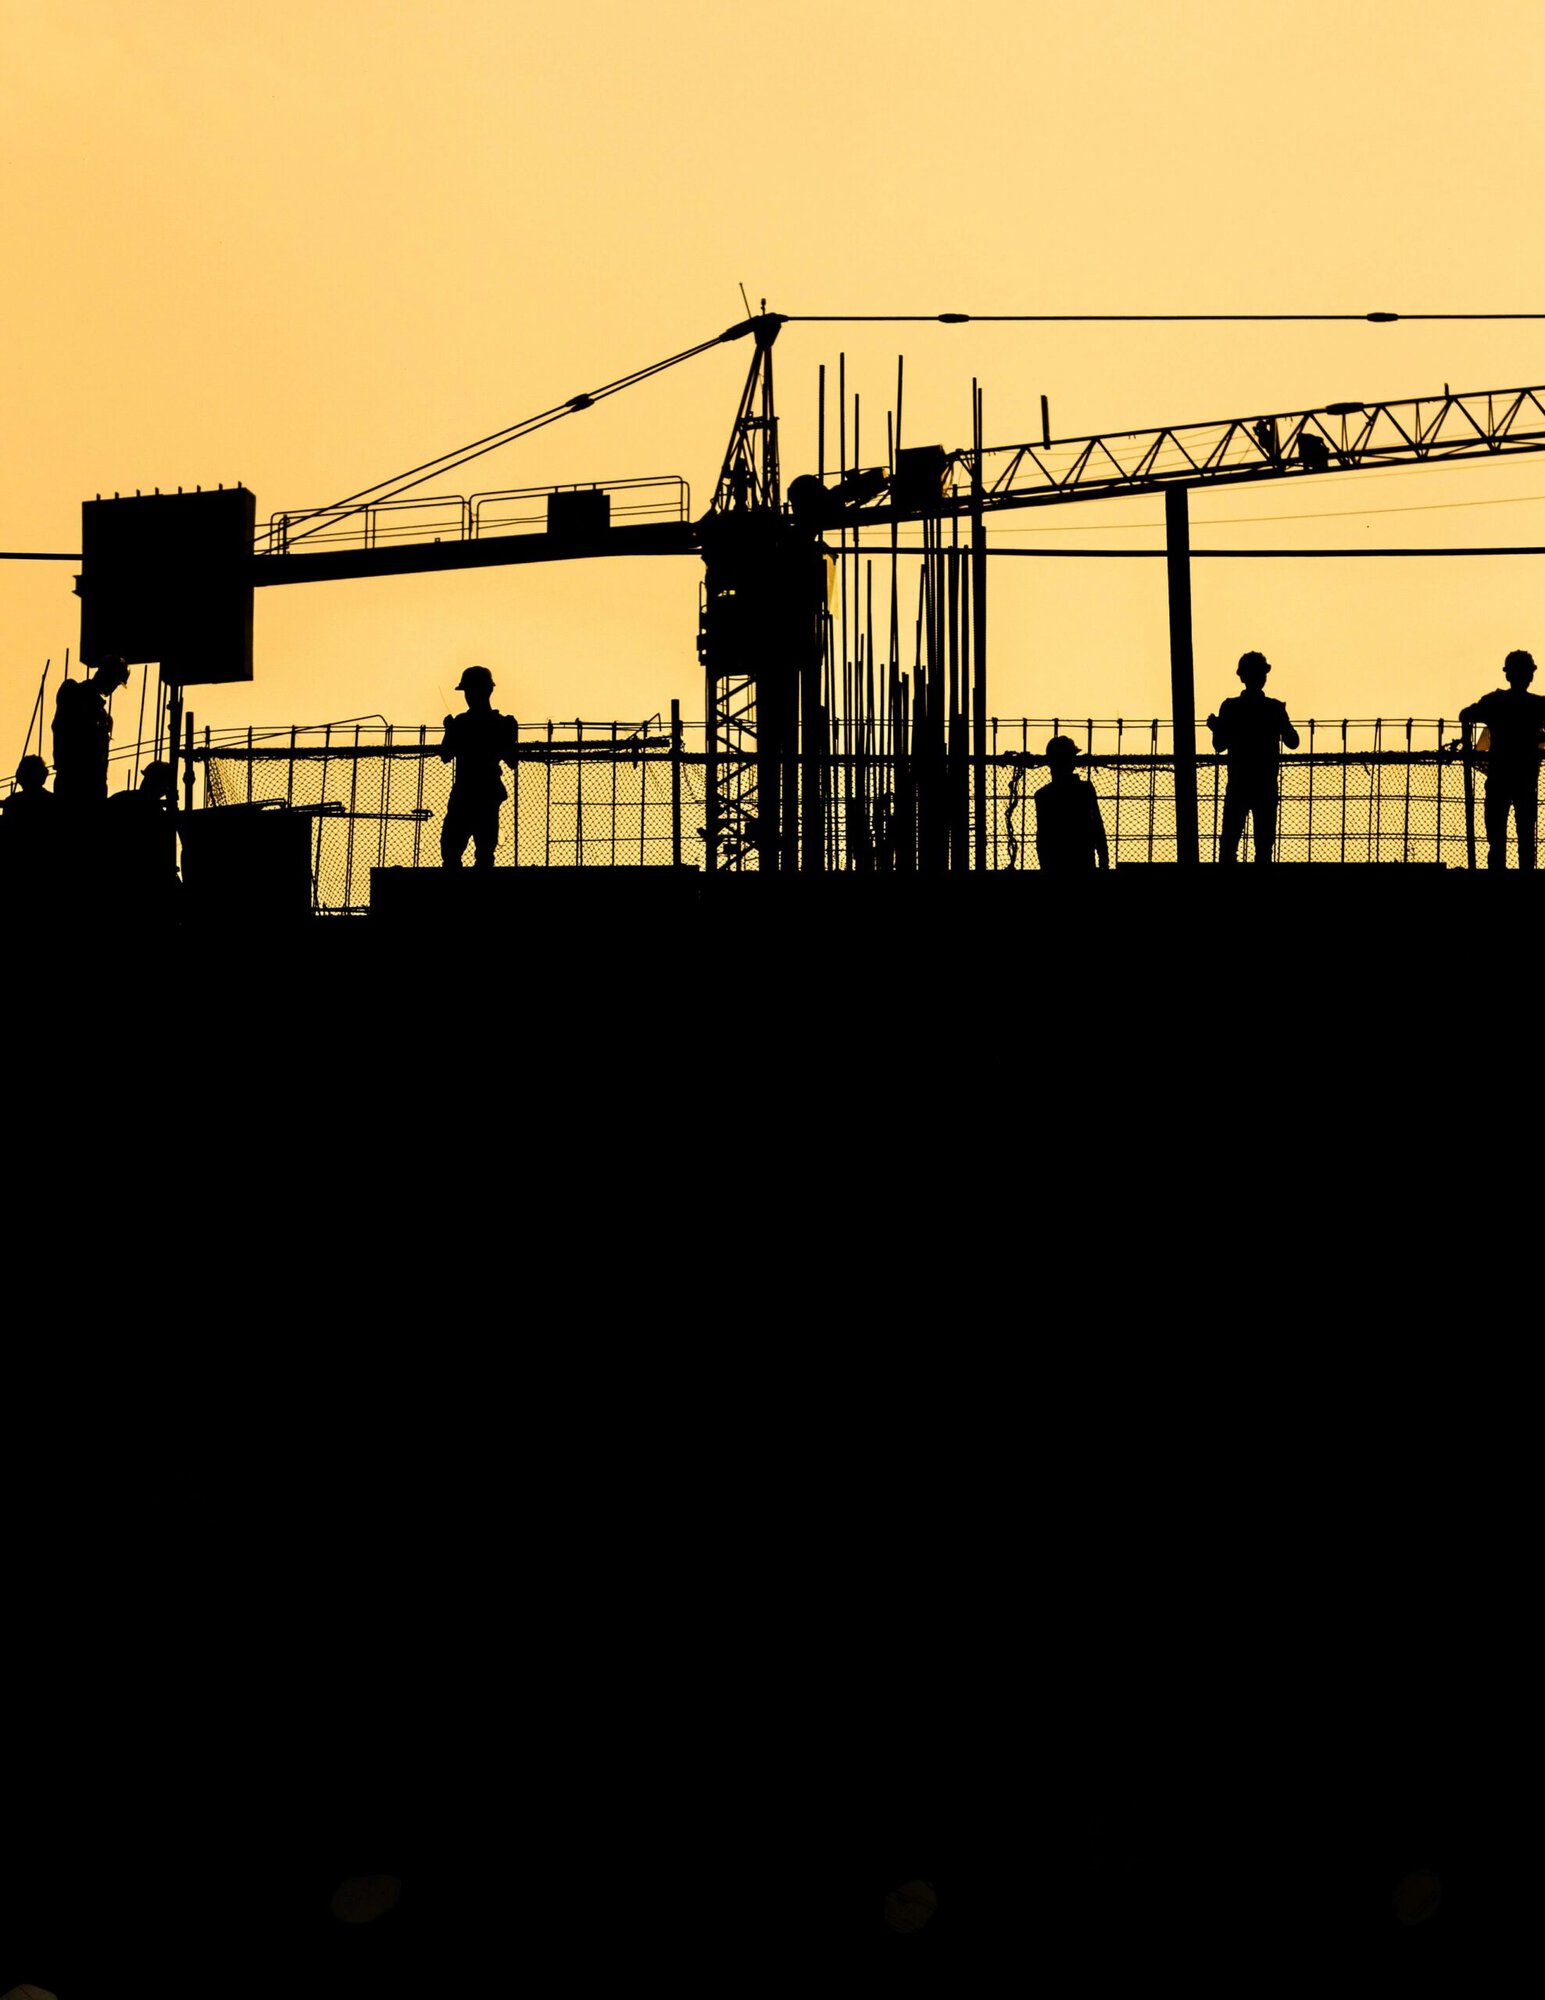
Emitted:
<point x="767" y="568"/>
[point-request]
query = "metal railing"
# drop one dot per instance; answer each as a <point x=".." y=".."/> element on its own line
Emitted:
<point x="450" y="517"/>
<point x="622" y="794"/>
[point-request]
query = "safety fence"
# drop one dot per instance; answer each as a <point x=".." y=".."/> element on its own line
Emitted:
<point x="620" y="794"/>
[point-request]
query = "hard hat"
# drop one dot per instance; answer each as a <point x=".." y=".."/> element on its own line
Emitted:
<point x="1062" y="749"/>
<point x="476" y="677"/>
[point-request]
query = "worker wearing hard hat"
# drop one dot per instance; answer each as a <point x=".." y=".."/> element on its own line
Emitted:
<point x="477" y="743"/>
<point x="1515" y="720"/>
<point x="83" y="734"/>
<point x="1252" y="728"/>
<point x="1069" y="828"/>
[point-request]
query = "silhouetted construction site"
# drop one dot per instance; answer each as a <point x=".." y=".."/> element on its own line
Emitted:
<point x="847" y="724"/>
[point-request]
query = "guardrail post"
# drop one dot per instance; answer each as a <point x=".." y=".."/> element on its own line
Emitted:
<point x="675" y="784"/>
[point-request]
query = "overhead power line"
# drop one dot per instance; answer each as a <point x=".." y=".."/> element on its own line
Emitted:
<point x="1129" y="319"/>
<point x="1242" y="555"/>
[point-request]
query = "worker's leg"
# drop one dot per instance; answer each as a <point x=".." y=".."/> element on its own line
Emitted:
<point x="1263" y="810"/>
<point x="1495" y="812"/>
<point x="454" y="835"/>
<point x="1525" y="812"/>
<point x="485" y="834"/>
<point x="1235" y="806"/>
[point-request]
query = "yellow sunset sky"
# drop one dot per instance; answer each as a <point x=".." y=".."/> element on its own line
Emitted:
<point x="305" y="245"/>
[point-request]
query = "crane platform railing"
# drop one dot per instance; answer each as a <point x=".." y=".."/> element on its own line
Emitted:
<point x="451" y="517"/>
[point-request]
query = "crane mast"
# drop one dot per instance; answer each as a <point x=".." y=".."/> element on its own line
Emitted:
<point x="761" y="641"/>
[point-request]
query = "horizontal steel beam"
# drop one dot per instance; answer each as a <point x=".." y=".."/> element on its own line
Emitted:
<point x="648" y="538"/>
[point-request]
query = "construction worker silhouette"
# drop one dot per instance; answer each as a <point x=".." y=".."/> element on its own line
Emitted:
<point x="29" y="830"/>
<point x="1514" y="720"/>
<point x="142" y="847"/>
<point x="477" y="743"/>
<point x="1252" y="728"/>
<point x="29" y="811"/>
<point x="1069" y="828"/>
<point x="83" y="734"/>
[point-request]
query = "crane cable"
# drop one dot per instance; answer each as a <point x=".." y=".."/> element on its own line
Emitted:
<point x="449" y="461"/>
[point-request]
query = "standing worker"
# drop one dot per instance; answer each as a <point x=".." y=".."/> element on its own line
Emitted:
<point x="142" y="853"/>
<point x="477" y="743"/>
<point x="83" y="734"/>
<point x="1252" y="728"/>
<point x="1069" y="827"/>
<point x="1514" y="719"/>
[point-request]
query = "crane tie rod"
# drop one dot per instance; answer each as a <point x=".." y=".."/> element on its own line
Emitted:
<point x="449" y="461"/>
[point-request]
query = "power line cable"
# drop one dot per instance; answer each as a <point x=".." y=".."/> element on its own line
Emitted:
<point x="1130" y="319"/>
<point x="1250" y="520"/>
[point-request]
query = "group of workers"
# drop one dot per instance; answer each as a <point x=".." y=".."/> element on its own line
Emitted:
<point x="1253" y="729"/>
<point x="135" y="828"/>
<point x="127" y="838"/>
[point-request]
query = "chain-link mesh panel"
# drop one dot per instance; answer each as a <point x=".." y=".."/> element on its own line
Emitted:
<point x="589" y="795"/>
<point x="582" y="796"/>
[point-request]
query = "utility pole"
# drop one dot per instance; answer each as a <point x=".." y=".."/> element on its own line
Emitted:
<point x="1182" y="673"/>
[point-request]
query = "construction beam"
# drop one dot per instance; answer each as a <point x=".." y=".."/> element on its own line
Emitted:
<point x="323" y="565"/>
<point x="1445" y="429"/>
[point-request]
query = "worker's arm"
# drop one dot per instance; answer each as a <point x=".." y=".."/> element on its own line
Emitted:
<point x="1219" y="733"/>
<point x="1289" y="733"/>
<point x="1101" y="851"/>
<point x="447" y="748"/>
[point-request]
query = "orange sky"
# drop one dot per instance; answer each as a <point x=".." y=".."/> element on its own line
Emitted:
<point x="306" y="245"/>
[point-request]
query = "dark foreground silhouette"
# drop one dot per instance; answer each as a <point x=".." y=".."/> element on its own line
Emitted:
<point x="1069" y="827"/>
<point x="1252" y="728"/>
<point x="1514" y="721"/>
<point x="477" y="743"/>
